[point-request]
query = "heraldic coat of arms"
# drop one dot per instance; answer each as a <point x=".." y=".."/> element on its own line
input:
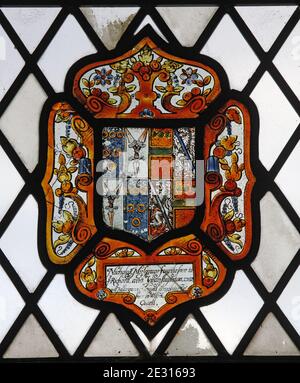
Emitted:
<point x="147" y="179"/>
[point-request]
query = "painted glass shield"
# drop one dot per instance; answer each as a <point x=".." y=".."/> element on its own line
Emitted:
<point x="148" y="179"/>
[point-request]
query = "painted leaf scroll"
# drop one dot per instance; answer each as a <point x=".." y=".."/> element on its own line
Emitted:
<point x="68" y="183"/>
<point x="146" y="82"/>
<point x="229" y="180"/>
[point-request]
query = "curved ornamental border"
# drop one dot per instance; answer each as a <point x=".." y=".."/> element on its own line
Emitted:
<point x="151" y="248"/>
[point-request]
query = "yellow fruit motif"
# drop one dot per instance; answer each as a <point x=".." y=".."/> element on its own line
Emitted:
<point x="125" y="253"/>
<point x="173" y="251"/>
<point x="234" y="171"/>
<point x="68" y="145"/>
<point x="65" y="227"/>
<point x="89" y="276"/>
<point x="64" y="176"/>
<point x="229" y="142"/>
<point x="209" y="271"/>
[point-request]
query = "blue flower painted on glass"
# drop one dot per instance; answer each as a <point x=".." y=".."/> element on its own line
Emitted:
<point x="175" y="79"/>
<point x="197" y="292"/>
<point x="101" y="295"/>
<point x="104" y="76"/>
<point x="189" y="76"/>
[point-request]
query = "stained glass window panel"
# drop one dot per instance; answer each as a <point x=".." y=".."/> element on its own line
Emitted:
<point x="149" y="204"/>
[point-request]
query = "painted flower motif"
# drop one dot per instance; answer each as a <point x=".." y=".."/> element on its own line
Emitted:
<point x="89" y="276"/>
<point x="64" y="228"/>
<point x="173" y="251"/>
<point x="233" y="171"/>
<point x="210" y="272"/>
<point x="63" y="113"/>
<point x="121" y="66"/>
<point x="64" y="176"/>
<point x="171" y="66"/>
<point x="146" y="56"/>
<point x="104" y="76"/>
<point x="239" y="223"/>
<point x="125" y="253"/>
<point x="175" y="79"/>
<point x="232" y="225"/>
<point x="197" y="292"/>
<point x="189" y="76"/>
<point x="101" y="294"/>
<point x="225" y="146"/>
